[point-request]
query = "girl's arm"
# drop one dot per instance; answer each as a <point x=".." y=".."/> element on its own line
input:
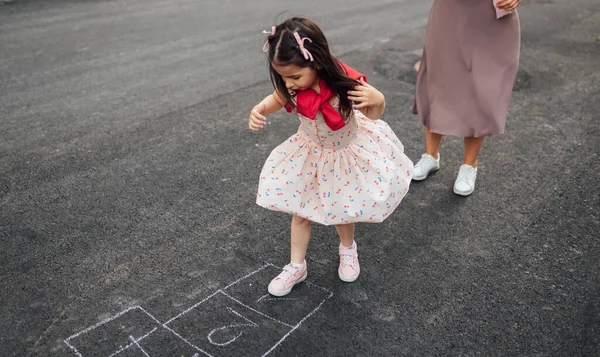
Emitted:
<point x="368" y="99"/>
<point x="271" y="104"/>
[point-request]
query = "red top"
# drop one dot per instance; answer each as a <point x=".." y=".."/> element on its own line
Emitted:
<point x="309" y="102"/>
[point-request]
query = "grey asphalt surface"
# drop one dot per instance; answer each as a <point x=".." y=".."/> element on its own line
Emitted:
<point x="128" y="178"/>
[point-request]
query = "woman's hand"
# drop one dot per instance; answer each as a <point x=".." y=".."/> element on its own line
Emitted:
<point x="257" y="120"/>
<point x="507" y="5"/>
<point x="365" y="95"/>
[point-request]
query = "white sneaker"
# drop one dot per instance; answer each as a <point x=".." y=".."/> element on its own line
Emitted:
<point x="425" y="166"/>
<point x="465" y="182"/>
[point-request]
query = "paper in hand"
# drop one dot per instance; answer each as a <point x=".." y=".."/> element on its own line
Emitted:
<point x="499" y="12"/>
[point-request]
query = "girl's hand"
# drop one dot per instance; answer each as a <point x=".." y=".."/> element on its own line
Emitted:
<point x="365" y="95"/>
<point x="507" y="5"/>
<point x="257" y="120"/>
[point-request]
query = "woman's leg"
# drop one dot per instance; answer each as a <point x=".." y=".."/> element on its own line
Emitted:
<point x="472" y="147"/>
<point x="432" y="143"/>
<point x="430" y="161"/>
<point x="467" y="174"/>
<point x="300" y="232"/>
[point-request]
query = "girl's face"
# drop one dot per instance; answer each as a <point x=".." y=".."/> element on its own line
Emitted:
<point x="297" y="78"/>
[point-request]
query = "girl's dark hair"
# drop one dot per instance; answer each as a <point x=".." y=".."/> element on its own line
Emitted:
<point x="284" y="50"/>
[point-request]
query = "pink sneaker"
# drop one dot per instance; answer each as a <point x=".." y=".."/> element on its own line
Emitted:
<point x="285" y="281"/>
<point x="349" y="267"/>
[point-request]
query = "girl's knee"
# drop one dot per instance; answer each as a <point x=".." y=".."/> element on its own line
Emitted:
<point x="345" y="225"/>
<point x="299" y="221"/>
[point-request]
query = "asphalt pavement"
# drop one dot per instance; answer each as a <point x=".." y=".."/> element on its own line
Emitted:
<point x="128" y="178"/>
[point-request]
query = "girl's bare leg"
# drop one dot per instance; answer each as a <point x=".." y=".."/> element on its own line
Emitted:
<point x="346" y="233"/>
<point x="300" y="232"/>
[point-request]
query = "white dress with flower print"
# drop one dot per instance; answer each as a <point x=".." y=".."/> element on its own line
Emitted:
<point x="358" y="173"/>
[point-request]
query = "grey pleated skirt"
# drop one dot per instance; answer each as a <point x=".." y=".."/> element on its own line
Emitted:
<point x="468" y="69"/>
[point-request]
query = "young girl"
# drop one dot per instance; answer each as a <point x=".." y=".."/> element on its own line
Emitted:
<point x="343" y="165"/>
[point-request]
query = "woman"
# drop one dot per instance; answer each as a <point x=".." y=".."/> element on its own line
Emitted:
<point x="465" y="79"/>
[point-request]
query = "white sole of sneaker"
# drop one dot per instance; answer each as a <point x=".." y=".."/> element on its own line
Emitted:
<point x="285" y="292"/>
<point x="464" y="194"/>
<point x="350" y="279"/>
<point x="421" y="178"/>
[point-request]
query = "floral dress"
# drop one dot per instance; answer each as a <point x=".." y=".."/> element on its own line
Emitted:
<point x="358" y="173"/>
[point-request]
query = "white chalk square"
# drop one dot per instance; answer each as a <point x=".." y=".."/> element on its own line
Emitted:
<point x="165" y="342"/>
<point x="220" y="326"/>
<point x="114" y="335"/>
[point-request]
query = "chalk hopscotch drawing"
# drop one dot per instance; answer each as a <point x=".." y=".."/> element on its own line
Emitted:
<point x="251" y="324"/>
<point x="239" y="319"/>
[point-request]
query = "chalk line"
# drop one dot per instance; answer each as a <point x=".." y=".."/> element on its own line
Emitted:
<point x="258" y="312"/>
<point x="297" y="325"/>
<point x="138" y="346"/>
<point x="134" y="342"/>
<point x="246" y="276"/>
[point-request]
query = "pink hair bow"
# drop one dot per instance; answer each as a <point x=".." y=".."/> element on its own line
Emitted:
<point x="266" y="45"/>
<point x="304" y="51"/>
